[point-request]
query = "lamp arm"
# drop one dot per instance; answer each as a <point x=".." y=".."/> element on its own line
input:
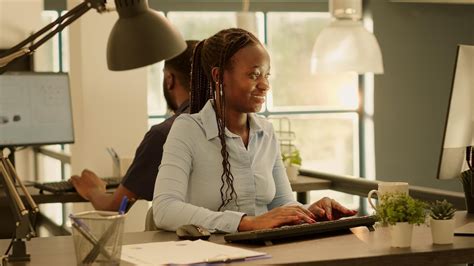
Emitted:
<point x="70" y="19"/>
<point x="12" y="194"/>
<point x="46" y="28"/>
<point x="29" y="199"/>
<point x="60" y="23"/>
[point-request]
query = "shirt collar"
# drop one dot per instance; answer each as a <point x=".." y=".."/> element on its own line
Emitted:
<point x="208" y="117"/>
<point x="183" y="107"/>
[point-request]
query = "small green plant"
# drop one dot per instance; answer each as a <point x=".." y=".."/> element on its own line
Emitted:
<point x="292" y="158"/>
<point x="399" y="207"/>
<point x="442" y="210"/>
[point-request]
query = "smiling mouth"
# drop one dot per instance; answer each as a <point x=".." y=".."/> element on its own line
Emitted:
<point x="259" y="97"/>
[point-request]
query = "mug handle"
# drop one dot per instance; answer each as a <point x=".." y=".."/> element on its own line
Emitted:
<point x="369" y="197"/>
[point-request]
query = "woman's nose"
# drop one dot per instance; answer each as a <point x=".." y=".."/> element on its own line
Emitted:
<point x="264" y="84"/>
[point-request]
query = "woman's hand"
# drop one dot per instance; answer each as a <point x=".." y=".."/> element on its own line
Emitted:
<point x="277" y="217"/>
<point x="329" y="209"/>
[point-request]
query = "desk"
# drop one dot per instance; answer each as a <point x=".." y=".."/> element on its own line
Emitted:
<point x="301" y="186"/>
<point x="359" y="248"/>
<point x="45" y="197"/>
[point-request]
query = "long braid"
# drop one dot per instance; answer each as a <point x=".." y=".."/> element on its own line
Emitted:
<point x="217" y="51"/>
<point x="199" y="81"/>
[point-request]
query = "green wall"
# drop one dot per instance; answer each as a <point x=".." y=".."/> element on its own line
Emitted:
<point x="418" y="43"/>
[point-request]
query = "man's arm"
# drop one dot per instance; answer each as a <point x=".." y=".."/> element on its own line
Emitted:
<point x="92" y="188"/>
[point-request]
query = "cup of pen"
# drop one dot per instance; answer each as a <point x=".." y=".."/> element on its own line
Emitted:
<point x="97" y="237"/>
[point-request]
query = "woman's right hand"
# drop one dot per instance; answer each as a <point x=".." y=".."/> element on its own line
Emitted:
<point x="277" y="217"/>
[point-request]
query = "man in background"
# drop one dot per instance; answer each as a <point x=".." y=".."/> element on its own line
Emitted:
<point x="139" y="181"/>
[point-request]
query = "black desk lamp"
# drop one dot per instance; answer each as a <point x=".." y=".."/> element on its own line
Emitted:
<point x="24" y="220"/>
<point x="140" y="37"/>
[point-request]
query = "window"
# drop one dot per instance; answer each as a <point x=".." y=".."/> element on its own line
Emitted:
<point x="53" y="56"/>
<point x="322" y="109"/>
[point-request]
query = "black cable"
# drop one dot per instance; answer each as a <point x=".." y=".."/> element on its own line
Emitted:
<point x="10" y="246"/>
<point x="468" y="156"/>
<point x="472" y="158"/>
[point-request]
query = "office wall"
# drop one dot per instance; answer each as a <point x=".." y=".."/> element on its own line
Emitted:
<point x="18" y="19"/>
<point x="110" y="108"/>
<point x="418" y="43"/>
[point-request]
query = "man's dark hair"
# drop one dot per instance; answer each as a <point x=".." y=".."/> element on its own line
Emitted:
<point x="182" y="64"/>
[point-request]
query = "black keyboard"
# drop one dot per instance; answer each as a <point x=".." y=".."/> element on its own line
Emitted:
<point x="288" y="232"/>
<point x="66" y="186"/>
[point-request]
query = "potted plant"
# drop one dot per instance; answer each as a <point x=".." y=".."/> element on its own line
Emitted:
<point x="400" y="212"/>
<point x="292" y="162"/>
<point x="442" y="222"/>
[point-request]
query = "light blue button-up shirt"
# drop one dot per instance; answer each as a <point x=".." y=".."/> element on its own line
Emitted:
<point x="187" y="189"/>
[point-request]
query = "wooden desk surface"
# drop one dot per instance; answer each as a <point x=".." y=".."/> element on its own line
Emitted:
<point x="303" y="184"/>
<point x="359" y="248"/>
<point x="44" y="197"/>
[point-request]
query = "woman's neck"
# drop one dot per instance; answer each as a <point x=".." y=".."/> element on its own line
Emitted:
<point x="237" y="123"/>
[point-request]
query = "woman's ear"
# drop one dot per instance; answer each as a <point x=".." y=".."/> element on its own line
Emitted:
<point x="215" y="74"/>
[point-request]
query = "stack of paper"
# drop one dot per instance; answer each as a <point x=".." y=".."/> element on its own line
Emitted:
<point x="185" y="252"/>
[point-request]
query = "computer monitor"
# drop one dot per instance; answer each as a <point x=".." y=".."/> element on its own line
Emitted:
<point x="459" y="123"/>
<point x="35" y="108"/>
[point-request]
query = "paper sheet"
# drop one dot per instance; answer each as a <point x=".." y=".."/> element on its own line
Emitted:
<point x="184" y="252"/>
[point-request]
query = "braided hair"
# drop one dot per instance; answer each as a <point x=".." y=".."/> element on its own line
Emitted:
<point x="217" y="51"/>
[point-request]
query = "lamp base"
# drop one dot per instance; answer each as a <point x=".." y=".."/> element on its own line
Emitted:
<point x="19" y="251"/>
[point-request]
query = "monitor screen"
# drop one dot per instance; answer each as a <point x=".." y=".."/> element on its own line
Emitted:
<point x="459" y="124"/>
<point x="35" y="108"/>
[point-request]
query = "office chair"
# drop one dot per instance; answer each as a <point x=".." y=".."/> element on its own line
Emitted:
<point x="149" y="222"/>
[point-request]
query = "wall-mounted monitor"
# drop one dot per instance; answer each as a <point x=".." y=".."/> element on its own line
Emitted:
<point x="35" y="109"/>
<point x="459" y="124"/>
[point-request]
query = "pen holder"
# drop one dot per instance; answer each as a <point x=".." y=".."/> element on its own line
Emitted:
<point x="97" y="237"/>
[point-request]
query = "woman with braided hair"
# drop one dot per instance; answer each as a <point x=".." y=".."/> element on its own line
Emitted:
<point x="221" y="165"/>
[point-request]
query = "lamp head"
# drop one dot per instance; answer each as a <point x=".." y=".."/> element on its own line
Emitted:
<point x="345" y="45"/>
<point x="141" y="37"/>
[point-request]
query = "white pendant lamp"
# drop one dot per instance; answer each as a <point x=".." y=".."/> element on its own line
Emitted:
<point x="345" y="45"/>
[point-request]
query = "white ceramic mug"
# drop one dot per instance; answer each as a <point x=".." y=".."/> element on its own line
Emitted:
<point x="387" y="187"/>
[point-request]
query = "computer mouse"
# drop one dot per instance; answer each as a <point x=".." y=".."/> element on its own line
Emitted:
<point x="192" y="232"/>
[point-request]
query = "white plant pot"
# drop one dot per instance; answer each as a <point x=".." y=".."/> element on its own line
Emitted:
<point x="400" y="235"/>
<point x="442" y="231"/>
<point x="292" y="172"/>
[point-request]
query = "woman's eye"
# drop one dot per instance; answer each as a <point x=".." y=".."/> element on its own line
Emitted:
<point x="254" y="75"/>
<point x="267" y="76"/>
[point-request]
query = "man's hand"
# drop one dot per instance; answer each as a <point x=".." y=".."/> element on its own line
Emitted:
<point x="87" y="184"/>
<point x="277" y="217"/>
<point x="329" y="209"/>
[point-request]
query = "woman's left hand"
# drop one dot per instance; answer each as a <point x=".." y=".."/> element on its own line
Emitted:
<point x="329" y="209"/>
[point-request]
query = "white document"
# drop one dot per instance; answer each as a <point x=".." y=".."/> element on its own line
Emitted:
<point x="184" y="252"/>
